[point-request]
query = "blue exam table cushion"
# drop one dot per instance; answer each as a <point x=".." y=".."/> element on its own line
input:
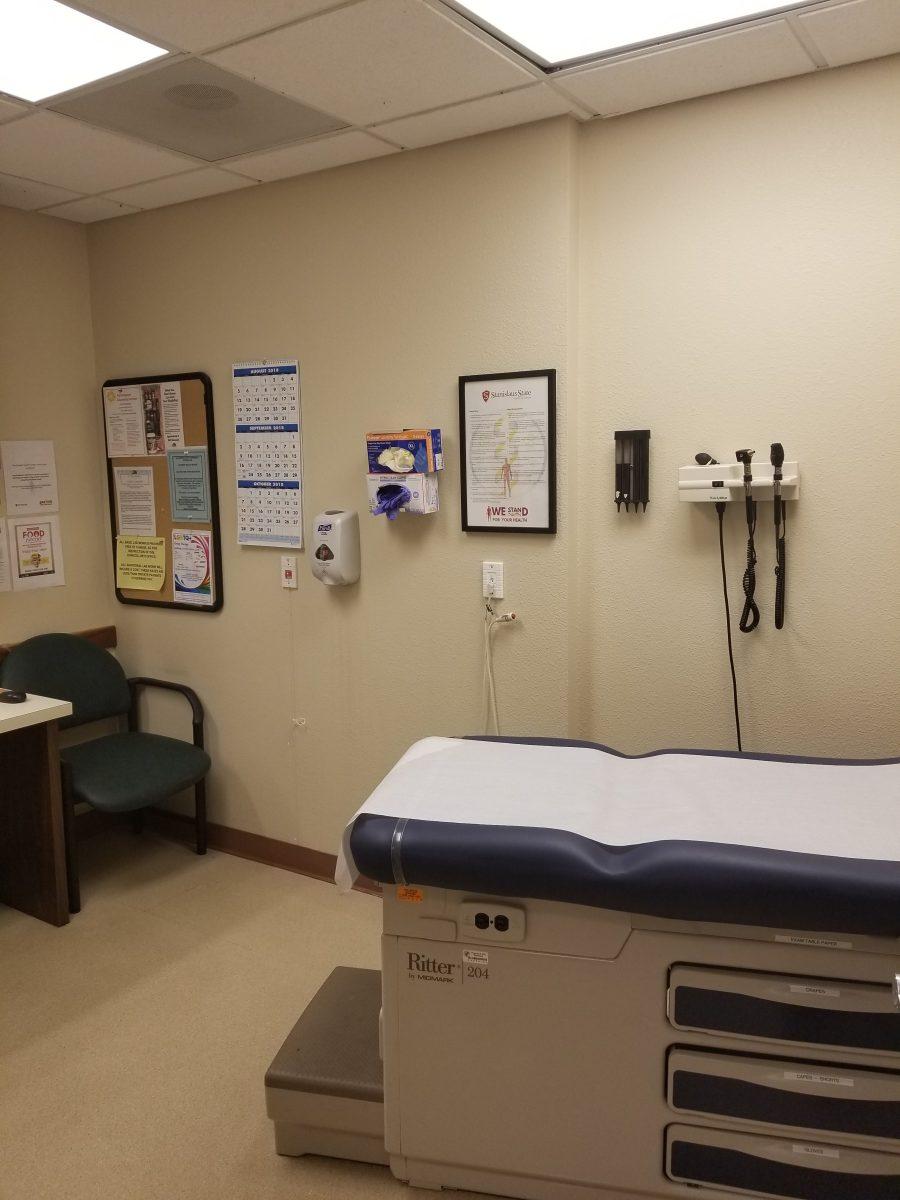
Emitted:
<point x="790" y="843"/>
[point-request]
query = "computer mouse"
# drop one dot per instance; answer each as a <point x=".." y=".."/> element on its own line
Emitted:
<point x="9" y="697"/>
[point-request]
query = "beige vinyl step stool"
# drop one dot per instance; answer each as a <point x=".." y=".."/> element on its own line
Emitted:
<point x="324" y="1089"/>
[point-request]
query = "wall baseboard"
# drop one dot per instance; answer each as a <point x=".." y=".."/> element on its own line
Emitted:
<point x="303" y="860"/>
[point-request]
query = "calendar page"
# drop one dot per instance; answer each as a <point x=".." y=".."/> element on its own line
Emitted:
<point x="267" y="452"/>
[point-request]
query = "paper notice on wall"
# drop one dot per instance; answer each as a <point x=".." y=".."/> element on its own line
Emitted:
<point x="124" y="422"/>
<point x="135" y="500"/>
<point x="189" y="494"/>
<point x="36" y="551"/>
<point x="29" y="474"/>
<point x="141" y="563"/>
<point x="192" y="567"/>
<point x="5" y="569"/>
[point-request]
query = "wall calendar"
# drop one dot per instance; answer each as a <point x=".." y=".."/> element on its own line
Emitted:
<point x="267" y="453"/>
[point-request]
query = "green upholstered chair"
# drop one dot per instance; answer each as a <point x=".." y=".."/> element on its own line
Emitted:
<point x="118" y="772"/>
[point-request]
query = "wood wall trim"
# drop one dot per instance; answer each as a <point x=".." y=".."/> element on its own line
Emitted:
<point x="316" y="864"/>
<point x="103" y="635"/>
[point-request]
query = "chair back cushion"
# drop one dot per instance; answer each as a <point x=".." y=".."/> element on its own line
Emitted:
<point x="68" y="668"/>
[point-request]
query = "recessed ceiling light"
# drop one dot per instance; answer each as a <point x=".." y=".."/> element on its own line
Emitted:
<point x="47" y="48"/>
<point x="557" y="31"/>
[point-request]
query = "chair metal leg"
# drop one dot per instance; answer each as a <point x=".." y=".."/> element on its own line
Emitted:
<point x="137" y="821"/>
<point x="200" y="815"/>
<point x="72" y="883"/>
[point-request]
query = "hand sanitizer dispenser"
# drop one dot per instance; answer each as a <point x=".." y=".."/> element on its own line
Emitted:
<point x="335" y="546"/>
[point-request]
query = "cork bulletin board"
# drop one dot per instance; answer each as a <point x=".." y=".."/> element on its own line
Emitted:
<point x="163" y="491"/>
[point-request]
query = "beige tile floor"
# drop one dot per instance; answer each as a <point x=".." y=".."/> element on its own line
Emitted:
<point x="133" y="1042"/>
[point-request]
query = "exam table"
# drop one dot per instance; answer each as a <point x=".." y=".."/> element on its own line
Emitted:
<point x="606" y="976"/>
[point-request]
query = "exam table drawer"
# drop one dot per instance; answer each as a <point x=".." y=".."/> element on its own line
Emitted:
<point x="785" y="1008"/>
<point x="811" y="1096"/>
<point x="761" y="1166"/>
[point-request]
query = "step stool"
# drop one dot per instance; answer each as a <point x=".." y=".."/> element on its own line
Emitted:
<point x="325" y="1089"/>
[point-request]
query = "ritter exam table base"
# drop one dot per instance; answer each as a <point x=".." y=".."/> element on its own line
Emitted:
<point x="600" y="1056"/>
<point x="539" y="1066"/>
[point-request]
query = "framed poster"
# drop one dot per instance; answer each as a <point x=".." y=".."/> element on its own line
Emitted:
<point x="507" y="446"/>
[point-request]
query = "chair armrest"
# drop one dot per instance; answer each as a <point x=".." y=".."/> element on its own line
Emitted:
<point x="189" y="694"/>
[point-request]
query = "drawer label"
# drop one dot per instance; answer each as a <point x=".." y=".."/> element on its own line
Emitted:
<point x="798" y="939"/>
<point x="812" y="1077"/>
<point x="807" y="989"/>
<point x="817" y="1151"/>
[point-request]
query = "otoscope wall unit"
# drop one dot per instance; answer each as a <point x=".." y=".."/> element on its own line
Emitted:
<point x="718" y="482"/>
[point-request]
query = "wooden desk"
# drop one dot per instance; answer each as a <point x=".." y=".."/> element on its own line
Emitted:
<point x="32" y="848"/>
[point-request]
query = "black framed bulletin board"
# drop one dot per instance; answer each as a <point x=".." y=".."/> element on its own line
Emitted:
<point x="507" y="445"/>
<point x="164" y="491"/>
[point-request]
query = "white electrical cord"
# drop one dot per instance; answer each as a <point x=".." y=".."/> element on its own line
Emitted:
<point x="489" y="686"/>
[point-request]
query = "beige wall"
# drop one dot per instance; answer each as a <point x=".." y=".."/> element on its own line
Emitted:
<point x="740" y="267"/>
<point x="387" y="280"/>
<point x="48" y="390"/>
<point x="723" y="271"/>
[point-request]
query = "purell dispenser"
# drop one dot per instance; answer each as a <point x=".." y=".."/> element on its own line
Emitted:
<point x="335" y="546"/>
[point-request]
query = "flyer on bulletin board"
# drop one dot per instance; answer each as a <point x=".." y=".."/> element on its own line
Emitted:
<point x="140" y="563"/>
<point x="192" y="567"/>
<point x="189" y="493"/>
<point x="135" y="503"/>
<point x="143" y="418"/>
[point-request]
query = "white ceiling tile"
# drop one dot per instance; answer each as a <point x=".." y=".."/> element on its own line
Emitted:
<point x="73" y="155"/>
<point x="851" y="32"/>
<point x="201" y="24"/>
<point x="9" y="111"/>
<point x="91" y="208"/>
<point x="716" y="63"/>
<point x="476" y="116"/>
<point x="190" y="186"/>
<point x="25" y="193"/>
<point x="376" y="60"/>
<point x="310" y="156"/>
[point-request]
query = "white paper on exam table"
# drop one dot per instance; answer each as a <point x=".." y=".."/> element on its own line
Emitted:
<point x="847" y="811"/>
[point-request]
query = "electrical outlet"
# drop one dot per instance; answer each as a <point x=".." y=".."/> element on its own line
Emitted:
<point x="492" y="580"/>
<point x="288" y="570"/>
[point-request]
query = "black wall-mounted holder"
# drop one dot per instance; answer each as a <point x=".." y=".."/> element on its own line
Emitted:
<point x="632" y="468"/>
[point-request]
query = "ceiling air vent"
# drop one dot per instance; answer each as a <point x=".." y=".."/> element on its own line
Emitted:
<point x="199" y="109"/>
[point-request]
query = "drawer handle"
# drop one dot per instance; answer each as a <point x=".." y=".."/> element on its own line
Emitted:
<point x="897" y="990"/>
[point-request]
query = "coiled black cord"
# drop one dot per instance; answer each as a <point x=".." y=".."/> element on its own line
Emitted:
<point x="750" y="615"/>
<point x="720" y="509"/>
